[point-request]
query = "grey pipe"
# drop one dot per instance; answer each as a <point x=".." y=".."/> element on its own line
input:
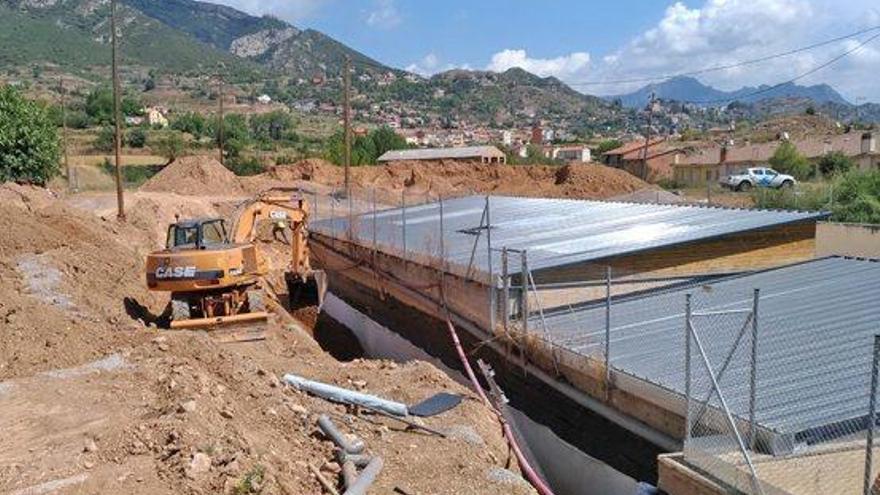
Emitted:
<point x="349" y="474"/>
<point x="338" y="438"/>
<point x="359" y="460"/>
<point x="339" y="394"/>
<point x="367" y="477"/>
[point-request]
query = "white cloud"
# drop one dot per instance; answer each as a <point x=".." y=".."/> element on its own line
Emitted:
<point x="289" y="10"/>
<point x="431" y="64"/>
<point x="722" y="32"/>
<point x="385" y="15"/>
<point x="563" y="67"/>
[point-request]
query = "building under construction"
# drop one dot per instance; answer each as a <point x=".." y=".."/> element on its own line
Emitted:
<point x="526" y="278"/>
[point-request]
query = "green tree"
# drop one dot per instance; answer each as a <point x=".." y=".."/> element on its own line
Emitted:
<point x="385" y="139"/>
<point x="99" y="105"/>
<point x="192" y="123"/>
<point x="606" y="146"/>
<point x="272" y="126"/>
<point x="857" y="197"/>
<point x="171" y="146"/>
<point x="236" y="134"/>
<point x="835" y="162"/>
<point x="29" y="144"/>
<point x="137" y="138"/>
<point x="787" y="160"/>
<point x="105" y="140"/>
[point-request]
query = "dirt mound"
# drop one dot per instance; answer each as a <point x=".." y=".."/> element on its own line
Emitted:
<point x="93" y="400"/>
<point x="454" y="178"/>
<point x="195" y="176"/>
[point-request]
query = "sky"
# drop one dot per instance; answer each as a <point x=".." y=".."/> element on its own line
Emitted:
<point x="583" y="42"/>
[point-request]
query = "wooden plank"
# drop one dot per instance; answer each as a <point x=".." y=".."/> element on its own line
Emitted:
<point x="675" y="478"/>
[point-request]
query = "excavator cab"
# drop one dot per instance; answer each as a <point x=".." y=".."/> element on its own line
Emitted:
<point x="197" y="234"/>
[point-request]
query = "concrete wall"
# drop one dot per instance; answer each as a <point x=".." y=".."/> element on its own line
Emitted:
<point x="848" y="239"/>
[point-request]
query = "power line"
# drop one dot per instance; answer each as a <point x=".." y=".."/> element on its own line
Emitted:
<point x="796" y="78"/>
<point x="734" y="65"/>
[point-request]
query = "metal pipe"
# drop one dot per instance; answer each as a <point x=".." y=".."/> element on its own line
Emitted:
<point x="333" y="433"/>
<point x="349" y="474"/>
<point x="753" y="372"/>
<point x="872" y="418"/>
<point x="687" y="368"/>
<point x="339" y="394"/>
<point x="359" y="460"/>
<point x="366" y="478"/>
<point x="608" y="326"/>
<point x="756" y="485"/>
<point x="403" y="219"/>
<point x="505" y="290"/>
<point x="524" y="293"/>
<point x="493" y="285"/>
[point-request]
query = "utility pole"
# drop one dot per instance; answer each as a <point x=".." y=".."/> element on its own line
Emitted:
<point x="71" y="182"/>
<point x="647" y="137"/>
<point x="117" y="114"/>
<point x="220" y="123"/>
<point x="347" y="120"/>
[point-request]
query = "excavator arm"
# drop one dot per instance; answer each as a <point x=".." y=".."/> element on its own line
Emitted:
<point x="284" y="210"/>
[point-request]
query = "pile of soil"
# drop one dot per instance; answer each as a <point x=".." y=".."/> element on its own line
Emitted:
<point x="195" y="176"/>
<point x="94" y="398"/>
<point x="454" y="178"/>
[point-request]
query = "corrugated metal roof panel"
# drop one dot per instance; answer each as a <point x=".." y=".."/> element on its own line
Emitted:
<point x="441" y="153"/>
<point x="817" y="321"/>
<point x="555" y="232"/>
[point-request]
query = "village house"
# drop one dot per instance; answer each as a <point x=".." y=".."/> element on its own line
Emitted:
<point x="570" y="153"/>
<point x="711" y="164"/>
<point x="658" y="156"/>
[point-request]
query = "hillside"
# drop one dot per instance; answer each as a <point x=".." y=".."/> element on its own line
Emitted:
<point x="75" y="34"/>
<point x="690" y="90"/>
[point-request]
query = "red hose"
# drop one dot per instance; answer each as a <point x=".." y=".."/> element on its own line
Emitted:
<point x="530" y="473"/>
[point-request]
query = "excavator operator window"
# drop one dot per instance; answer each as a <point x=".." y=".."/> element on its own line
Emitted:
<point x="213" y="232"/>
<point x="182" y="236"/>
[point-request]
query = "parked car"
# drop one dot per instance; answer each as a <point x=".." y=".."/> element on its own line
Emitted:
<point x="758" y="177"/>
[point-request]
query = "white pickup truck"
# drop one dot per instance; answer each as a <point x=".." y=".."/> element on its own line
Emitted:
<point x="758" y="177"/>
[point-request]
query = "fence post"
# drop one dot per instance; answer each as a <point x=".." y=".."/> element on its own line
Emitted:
<point x="403" y="219"/>
<point x="493" y="285"/>
<point x="608" y="326"/>
<point x="373" y="205"/>
<point x="687" y="369"/>
<point x="524" y="292"/>
<point x="333" y="215"/>
<point x="753" y="373"/>
<point x="505" y="294"/>
<point x="872" y="418"/>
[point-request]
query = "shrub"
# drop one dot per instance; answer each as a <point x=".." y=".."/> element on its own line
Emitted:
<point x="244" y="166"/>
<point x="835" y="163"/>
<point x="171" y="146"/>
<point x="857" y="197"/>
<point x="105" y="140"/>
<point x="29" y="144"/>
<point x="137" y="138"/>
<point x="788" y="160"/>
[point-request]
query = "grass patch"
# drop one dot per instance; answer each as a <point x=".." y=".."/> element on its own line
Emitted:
<point x="251" y="482"/>
<point x="132" y="175"/>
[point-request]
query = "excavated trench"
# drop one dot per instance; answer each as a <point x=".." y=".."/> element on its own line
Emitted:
<point x="348" y="332"/>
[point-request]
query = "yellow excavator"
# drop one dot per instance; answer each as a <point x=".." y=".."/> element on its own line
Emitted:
<point x="216" y="275"/>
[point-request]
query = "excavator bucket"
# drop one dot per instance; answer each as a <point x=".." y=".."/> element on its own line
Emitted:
<point x="306" y="291"/>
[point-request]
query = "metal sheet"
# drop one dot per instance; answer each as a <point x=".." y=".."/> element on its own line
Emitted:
<point x="817" y="323"/>
<point x="555" y="232"/>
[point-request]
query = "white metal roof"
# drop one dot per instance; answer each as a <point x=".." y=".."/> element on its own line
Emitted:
<point x="441" y="153"/>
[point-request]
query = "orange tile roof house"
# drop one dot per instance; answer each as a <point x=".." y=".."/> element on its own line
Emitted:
<point x="632" y="157"/>
<point x="712" y="163"/>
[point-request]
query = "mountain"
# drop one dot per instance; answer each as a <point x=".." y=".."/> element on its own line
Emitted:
<point x="174" y="35"/>
<point x="690" y="90"/>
